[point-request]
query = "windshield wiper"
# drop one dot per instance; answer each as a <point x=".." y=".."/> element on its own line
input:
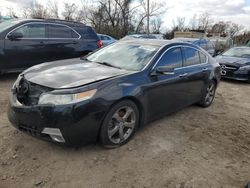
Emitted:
<point x="108" y="64"/>
<point x="85" y="59"/>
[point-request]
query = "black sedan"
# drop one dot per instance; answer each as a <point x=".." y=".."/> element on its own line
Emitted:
<point x="109" y="94"/>
<point x="235" y="63"/>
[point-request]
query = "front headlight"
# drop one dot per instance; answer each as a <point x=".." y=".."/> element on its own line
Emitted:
<point x="247" y="67"/>
<point x="16" y="83"/>
<point x="58" y="99"/>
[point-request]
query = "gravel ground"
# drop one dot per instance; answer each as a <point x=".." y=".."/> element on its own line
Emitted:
<point x="195" y="148"/>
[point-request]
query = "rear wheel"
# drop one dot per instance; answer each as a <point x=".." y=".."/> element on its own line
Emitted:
<point x="208" y="98"/>
<point x="120" y="124"/>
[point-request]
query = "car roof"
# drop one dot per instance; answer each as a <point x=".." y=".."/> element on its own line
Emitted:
<point x="66" y="22"/>
<point x="189" y="39"/>
<point x="154" y="42"/>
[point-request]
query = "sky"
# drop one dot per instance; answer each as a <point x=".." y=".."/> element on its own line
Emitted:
<point x="237" y="11"/>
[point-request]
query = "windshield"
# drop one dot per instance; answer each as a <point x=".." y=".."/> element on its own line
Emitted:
<point x="238" y="52"/>
<point x="7" y="24"/>
<point x="129" y="56"/>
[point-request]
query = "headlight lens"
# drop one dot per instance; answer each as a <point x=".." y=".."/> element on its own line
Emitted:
<point x="247" y="67"/>
<point x="57" y="99"/>
<point x="16" y="83"/>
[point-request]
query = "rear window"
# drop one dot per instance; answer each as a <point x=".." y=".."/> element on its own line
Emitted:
<point x="192" y="56"/>
<point x="60" y="31"/>
<point x="88" y="33"/>
<point x="203" y="58"/>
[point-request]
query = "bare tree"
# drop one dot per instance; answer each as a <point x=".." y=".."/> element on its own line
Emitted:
<point x="156" y="25"/>
<point x="156" y="9"/>
<point x="11" y="13"/>
<point x="219" y="27"/>
<point x="226" y="27"/>
<point x="193" y="22"/>
<point x="53" y="9"/>
<point x="36" y="10"/>
<point x="233" y="28"/>
<point x="69" y="12"/>
<point x="181" y="23"/>
<point x="112" y="17"/>
<point x="204" y="21"/>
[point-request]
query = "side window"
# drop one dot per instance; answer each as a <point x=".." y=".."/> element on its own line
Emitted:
<point x="59" y="31"/>
<point x="203" y="57"/>
<point x="88" y="33"/>
<point x="210" y="45"/>
<point x="107" y="38"/>
<point x="203" y="45"/>
<point x="172" y="58"/>
<point x="32" y="31"/>
<point x="191" y="56"/>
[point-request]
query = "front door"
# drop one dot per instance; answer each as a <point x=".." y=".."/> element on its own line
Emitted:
<point x="166" y="92"/>
<point x="29" y="49"/>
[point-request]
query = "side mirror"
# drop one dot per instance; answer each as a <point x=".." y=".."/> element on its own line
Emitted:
<point x="164" y="70"/>
<point x="15" y="36"/>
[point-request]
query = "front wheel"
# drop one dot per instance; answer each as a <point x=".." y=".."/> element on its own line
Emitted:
<point x="120" y="124"/>
<point x="208" y="98"/>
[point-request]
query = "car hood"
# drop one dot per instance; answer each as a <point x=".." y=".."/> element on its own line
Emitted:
<point x="70" y="73"/>
<point x="236" y="61"/>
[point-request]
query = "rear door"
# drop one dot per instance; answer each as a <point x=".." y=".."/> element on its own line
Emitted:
<point x="28" y="50"/>
<point x="63" y="42"/>
<point x="196" y="71"/>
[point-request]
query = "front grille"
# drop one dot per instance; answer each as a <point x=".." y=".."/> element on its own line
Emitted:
<point x="32" y="130"/>
<point x="230" y="68"/>
<point x="28" y="93"/>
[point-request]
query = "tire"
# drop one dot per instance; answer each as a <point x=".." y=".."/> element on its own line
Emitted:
<point x="120" y="124"/>
<point x="208" y="97"/>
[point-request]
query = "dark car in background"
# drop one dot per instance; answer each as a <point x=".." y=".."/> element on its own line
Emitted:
<point x="110" y="93"/>
<point x="235" y="63"/>
<point x="203" y="43"/>
<point x="27" y="42"/>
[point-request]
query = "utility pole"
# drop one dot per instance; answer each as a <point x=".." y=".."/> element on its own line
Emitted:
<point x="148" y="19"/>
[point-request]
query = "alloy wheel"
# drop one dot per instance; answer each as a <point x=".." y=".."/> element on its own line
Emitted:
<point x="121" y="125"/>
<point x="210" y="93"/>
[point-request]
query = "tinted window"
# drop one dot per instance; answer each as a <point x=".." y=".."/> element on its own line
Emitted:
<point x="32" y="31"/>
<point x="106" y="38"/>
<point x="88" y="33"/>
<point x="58" y="31"/>
<point x="103" y="37"/>
<point x="203" y="45"/>
<point x="172" y="58"/>
<point x="191" y="56"/>
<point x="203" y="58"/>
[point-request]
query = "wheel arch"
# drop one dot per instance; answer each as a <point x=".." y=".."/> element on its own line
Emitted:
<point x="136" y="102"/>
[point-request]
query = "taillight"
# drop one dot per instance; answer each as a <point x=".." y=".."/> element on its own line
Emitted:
<point x="99" y="43"/>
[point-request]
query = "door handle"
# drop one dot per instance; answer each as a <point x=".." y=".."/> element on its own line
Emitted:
<point x="204" y="69"/>
<point x="183" y="75"/>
